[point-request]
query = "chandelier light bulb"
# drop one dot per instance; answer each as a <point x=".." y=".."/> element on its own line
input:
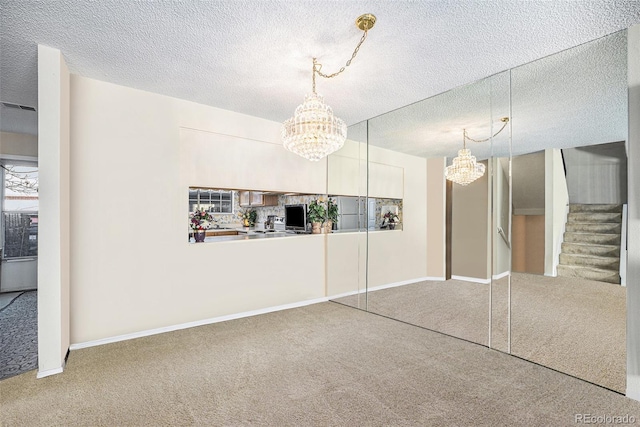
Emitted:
<point x="314" y="132"/>
<point x="464" y="169"/>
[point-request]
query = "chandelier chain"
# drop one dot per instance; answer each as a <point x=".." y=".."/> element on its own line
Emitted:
<point x="317" y="67"/>
<point x="505" y="121"/>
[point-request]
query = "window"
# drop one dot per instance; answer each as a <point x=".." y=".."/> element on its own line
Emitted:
<point x="211" y="200"/>
<point x="19" y="210"/>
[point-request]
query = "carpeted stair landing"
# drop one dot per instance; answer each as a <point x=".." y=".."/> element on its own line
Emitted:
<point x="591" y="248"/>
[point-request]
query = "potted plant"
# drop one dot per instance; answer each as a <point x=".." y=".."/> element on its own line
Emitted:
<point x="316" y="214"/>
<point x="199" y="221"/>
<point x="390" y="220"/>
<point x="332" y="215"/>
<point x="248" y="217"/>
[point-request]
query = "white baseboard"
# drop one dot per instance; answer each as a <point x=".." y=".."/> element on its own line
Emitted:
<point x="633" y="387"/>
<point x="140" y="334"/>
<point x="501" y="275"/>
<point x="49" y="372"/>
<point x="389" y="285"/>
<point x="347" y="294"/>
<point x="402" y="283"/>
<point x="472" y="279"/>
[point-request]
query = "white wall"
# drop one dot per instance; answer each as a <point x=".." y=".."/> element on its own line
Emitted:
<point x="501" y="217"/>
<point x="556" y="201"/>
<point x="54" y="215"/>
<point x="597" y="174"/>
<point x="134" y="155"/>
<point x="346" y="263"/>
<point x="393" y="256"/>
<point x="396" y="256"/>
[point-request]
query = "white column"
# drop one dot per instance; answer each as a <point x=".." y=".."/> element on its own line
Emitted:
<point x="633" y="229"/>
<point x="53" y="223"/>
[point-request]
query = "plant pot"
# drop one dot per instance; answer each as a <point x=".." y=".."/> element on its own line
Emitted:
<point x="316" y="228"/>
<point x="392" y="226"/>
<point x="328" y="225"/>
<point x="245" y="222"/>
<point x="199" y="235"/>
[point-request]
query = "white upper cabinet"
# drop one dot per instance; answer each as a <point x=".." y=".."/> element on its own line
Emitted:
<point x="346" y="176"/>
<point x="386" y="181"/>
<point x="221" y="161"/>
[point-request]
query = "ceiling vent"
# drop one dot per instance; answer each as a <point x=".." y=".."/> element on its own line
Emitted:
<point x="17" y="107"/>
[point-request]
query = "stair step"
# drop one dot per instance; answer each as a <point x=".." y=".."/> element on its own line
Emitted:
<point x="589" y="273"/>
<point x="597" y="238"/>
<point x="607" y="263"/>
<point x="591" y="249"/>
<point x="575" y="207"/>
<point x="594" y="217"/>
<point x="594" y="227"/>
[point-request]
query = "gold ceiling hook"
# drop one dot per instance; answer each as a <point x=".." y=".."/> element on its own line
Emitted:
<point x="366" y="22"/>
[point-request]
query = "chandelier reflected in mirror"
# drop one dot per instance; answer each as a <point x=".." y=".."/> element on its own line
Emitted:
<point x="464" y="168"/>
<point x="314" y="132"/>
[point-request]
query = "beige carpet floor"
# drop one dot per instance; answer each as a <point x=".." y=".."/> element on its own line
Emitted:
<point x="320" y="365"/>
<point x="453" y="307"/>
<point x="573" y="325"/>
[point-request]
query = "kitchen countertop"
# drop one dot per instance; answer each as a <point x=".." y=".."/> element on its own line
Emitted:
<point x="247" y="236"/>
<point x="355" y="230"/>
<point x="251" y="233"/>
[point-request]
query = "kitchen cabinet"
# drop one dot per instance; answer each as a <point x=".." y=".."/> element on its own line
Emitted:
<point x="257" y="199"/>
<point x="223" y="232"/>
<point x="347" y="176"/>
<point x="249" y="163"/>
<point x="210" y="200"/>
<point x="386" y="181"/>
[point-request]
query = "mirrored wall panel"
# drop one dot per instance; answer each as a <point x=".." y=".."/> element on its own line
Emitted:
<point x="346" y="244"/>
<point x="526" y="254"/>
<point x="429" y="253"/>
<point x="569" y="179"/>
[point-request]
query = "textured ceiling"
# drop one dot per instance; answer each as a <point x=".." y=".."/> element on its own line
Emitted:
<point x="254" y="56"/>
<point x="574" y="98"/>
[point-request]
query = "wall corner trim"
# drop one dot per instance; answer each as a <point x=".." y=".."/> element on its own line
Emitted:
<point x="49" y="372"/>
<point x="633" y="387"/>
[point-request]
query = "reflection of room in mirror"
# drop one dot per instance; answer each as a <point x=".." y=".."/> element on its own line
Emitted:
<point x="523" y="215"/>
<point x="569" y="190"/>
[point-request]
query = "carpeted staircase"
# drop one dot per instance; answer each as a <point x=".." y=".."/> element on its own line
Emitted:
<point x="591" y="248"/>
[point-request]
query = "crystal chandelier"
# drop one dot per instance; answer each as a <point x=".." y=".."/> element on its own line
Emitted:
<point x="464" y="169"/>
<point x="314" y="132"/>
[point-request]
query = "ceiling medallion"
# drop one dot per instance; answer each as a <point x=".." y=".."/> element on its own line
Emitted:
<point x="314" y="132"/>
